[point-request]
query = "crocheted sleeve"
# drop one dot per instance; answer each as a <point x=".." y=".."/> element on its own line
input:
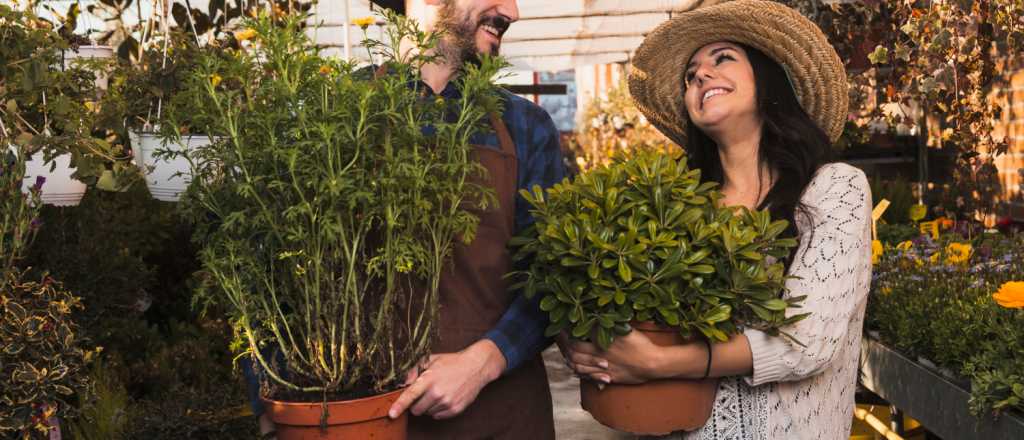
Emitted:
<point x="831" y="263"/>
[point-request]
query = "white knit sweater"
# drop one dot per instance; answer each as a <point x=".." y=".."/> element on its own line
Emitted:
<point x="807" y="392"/>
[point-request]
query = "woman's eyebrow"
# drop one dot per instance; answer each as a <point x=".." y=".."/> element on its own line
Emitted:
<point x="713" y="53"/>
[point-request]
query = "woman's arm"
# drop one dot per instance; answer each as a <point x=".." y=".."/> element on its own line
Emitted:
<point x="635" y="359"/>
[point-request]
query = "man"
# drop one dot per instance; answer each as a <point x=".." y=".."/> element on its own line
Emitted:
<point x="486" y="378"/>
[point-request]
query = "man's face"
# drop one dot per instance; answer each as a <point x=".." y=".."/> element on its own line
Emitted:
<point x="474" y="27"/>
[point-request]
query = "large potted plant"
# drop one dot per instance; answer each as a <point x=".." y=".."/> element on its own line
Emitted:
<point x="327" y="214"/>
<point x="642" y="245"/>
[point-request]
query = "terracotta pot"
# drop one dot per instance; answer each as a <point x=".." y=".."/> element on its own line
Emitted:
<point x="653" y="408"/>
<point x="350" y="419"/>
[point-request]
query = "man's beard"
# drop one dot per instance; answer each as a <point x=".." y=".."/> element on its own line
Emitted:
<point x="458" y="42"/>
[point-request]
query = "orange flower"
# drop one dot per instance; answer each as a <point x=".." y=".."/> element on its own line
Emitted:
<point x="326" y="69"/>
<point x="244" y="35"/>
<point x="1010" y="295"/>
<point x="944" y="223"/>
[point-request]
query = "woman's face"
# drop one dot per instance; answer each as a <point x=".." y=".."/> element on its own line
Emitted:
<point x="720" y="89"/>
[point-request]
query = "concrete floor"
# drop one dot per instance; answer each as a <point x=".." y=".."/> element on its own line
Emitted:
<point x="571" y="421"/>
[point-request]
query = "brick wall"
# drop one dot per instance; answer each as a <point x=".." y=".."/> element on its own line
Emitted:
<point x="1011" y="98"/>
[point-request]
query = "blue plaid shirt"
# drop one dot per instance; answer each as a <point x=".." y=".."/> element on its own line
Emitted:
<point x="520" y="332"/>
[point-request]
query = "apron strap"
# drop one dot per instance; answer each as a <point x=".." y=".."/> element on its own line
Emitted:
<point x="504" y="138"/>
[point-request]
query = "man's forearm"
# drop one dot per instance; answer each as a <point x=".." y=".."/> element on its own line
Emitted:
<point x="519" y="335"/>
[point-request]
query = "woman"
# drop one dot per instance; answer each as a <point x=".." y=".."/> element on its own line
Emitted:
<point x="756" y="96"/>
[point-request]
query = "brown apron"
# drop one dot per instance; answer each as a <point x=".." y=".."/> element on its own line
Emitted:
<point x="473" y="298"/>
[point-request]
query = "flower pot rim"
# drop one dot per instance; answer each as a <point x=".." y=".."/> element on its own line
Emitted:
<point x="359" y="400"/>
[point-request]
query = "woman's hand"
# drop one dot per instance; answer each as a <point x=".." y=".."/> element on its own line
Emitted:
<point x="631" y="359"/>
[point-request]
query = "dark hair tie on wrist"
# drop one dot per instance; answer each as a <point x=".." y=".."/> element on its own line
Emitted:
<point x="707" y="369"/>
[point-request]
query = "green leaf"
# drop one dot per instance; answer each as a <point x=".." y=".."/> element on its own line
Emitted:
<point x="777" y="305"/>
<point x="721" y="313"/>
<point x="604" y="338"/>
<point x="583" y="328"/>
<point x="548" y="303"/>
<point x="704" y="269"/>
<point x="620" y="297"/>
<point x="625" y="273"/>
<point x="671" y="316"/>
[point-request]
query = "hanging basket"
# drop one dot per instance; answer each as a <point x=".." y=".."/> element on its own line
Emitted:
<point x="91" y="52"/>
<point x="58" y="188"/>
<point x="166" y="177"/>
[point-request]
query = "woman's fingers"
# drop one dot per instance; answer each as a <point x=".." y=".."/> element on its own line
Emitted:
<point x="586" y="370"/>
<point x="585" y="348"/>
<point x="581" y="359"/>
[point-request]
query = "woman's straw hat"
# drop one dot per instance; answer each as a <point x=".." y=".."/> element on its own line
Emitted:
<point x="781" y="33"/>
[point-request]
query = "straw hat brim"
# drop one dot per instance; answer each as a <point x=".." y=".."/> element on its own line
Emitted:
<point x="815" y="70"/>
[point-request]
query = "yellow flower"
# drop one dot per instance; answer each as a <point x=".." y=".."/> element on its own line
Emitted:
<point x="246" y="34"/>
<point x="958" y="253"/>
<point x="876" y="251"/>
<point x="930" y="228"/>
<point x="1010" y="295"/>
<point x="917" y="212"/>
<point x="905" y="246"/>
<point x="886" y="290"/>
<point x="215" y="79"/>
<point x="326" y="69"/>
<point x="935" y="257"/>
<point x="364" y="22"/>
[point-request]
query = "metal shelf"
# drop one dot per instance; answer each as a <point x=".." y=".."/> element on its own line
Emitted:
<point x="940" y="405"/>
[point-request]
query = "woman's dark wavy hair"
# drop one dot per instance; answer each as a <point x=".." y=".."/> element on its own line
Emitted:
<point x="792" y="144"/>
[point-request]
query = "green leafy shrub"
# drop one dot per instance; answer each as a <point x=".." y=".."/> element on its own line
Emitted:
<point x="643" y="239"/>
<point x="928" y="300"/>
<point x="326" y="212"/>
<point x="42" y="359"/>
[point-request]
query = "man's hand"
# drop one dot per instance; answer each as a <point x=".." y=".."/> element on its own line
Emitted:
<point x="450" y="382"/>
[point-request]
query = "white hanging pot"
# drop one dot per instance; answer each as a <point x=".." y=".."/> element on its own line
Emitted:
<point x="91" y="52"/>
<point x="166" y="177"/>
<point x="58" y="188"/>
